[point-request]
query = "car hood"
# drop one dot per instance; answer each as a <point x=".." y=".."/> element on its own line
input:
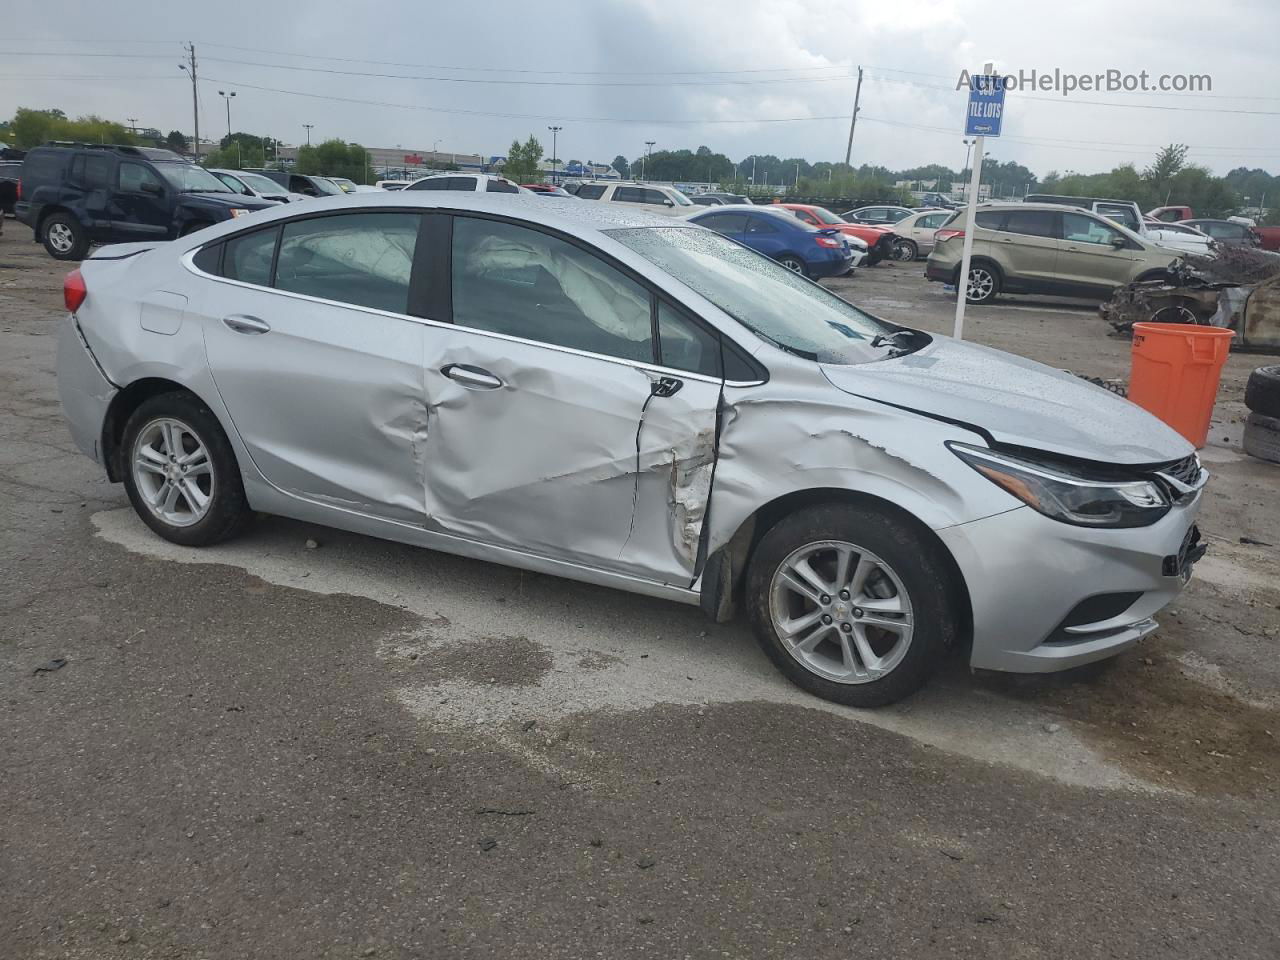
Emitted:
<point x="231" y="200"/>
<point x="1014" y="401"/>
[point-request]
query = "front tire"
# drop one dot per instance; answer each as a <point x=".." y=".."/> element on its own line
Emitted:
<point x="905" y="250"/>
<point x="181" y="473"/>
<point x="851" y="603"/>
<point x="64" y="238"/>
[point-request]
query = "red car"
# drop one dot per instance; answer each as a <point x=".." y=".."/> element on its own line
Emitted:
<point x="879" y="240"/>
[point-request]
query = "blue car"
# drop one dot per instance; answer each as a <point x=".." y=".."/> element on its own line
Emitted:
<point x="808" y="250"/>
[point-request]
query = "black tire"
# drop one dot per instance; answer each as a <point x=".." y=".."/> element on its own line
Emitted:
<point x="193" y="226"/>
<point x="905" y="250"/>
<point x="988" y="279"/>
<point x="917" y="563"/>
<point x="794" y="264"/>
<point x="228" y="511"/>
<point x="1262" y="392"/>
<point x="63" y="236"/>
<point x="1262" y="437"/>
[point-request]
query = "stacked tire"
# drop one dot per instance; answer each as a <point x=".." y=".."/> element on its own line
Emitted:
<point x="1262" y="428"/>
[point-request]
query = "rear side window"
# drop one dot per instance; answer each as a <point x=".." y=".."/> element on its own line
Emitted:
<point x="362" y="258"/>
<point x="762" y="225"/>
<point x="91" y="171"/>
<point x="591" y="191"/>
<point x="462" y="183"/>
<point x="990" y="219"/>
<point x="501" y="186"/>
<point x="248" y="257"/>
<point x="1031" y="223"/>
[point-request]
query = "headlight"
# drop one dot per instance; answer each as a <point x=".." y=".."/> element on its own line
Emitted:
<point x="238" y="211"/>
<point x="1070" y="494"/>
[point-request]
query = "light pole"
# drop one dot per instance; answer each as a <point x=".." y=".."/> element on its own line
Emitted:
<point x="226" y="98"/>
<point x="644" y="167"/>
<point x="555" y="157"/>
<point x="307" y="127"/>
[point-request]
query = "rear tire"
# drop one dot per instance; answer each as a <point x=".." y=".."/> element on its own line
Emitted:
<point x="905" y="250"/>
<point x="825" y="638"/>
<point x="180" y="472"/>
<point x="984" y="283"/>
<point x="794" y="264"/>
<point x="64" y="238"/>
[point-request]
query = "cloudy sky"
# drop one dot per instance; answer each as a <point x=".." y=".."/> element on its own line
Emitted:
<point x="741" y="76"/>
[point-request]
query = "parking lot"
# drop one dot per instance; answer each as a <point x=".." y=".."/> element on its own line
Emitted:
<point x="307" y="743"/>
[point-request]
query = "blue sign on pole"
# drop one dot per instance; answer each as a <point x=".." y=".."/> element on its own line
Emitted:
<point x="986" y="106"/>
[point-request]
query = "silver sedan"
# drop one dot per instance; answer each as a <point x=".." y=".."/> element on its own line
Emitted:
<point x="614" y="397"/>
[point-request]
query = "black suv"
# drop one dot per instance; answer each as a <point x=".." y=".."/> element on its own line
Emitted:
<point x="76" y="194"/>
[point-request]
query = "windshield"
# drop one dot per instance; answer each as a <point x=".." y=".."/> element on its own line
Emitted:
<point x="765" y="297"/>
<point x="260" y="183"/>
<point x="325" y="185"/>
<point x="188" y="178"/>
<point x="680" y="199"/>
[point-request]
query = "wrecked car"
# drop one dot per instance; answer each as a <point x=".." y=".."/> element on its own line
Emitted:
<point x="1239" y="289"/>
<point x="607" y="395"/>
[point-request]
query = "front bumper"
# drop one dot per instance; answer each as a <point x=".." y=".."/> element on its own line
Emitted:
<point x="1026" y="574"/>
<point x="83" y="389"/>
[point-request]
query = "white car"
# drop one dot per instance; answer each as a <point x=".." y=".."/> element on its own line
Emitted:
<point x="256" y="185"/>
<point x="391" y="184"/>
<point x="470" y="182"/>
<point x="649" y="196"/>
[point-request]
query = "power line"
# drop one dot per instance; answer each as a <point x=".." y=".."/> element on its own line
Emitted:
<point x="530" y="83"/>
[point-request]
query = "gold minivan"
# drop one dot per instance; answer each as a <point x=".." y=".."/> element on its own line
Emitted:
<point x="1047" y="249"/>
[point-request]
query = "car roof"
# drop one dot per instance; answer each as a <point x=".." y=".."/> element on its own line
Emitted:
<point x="577" y="218"/>
<point x="745" y="208"/>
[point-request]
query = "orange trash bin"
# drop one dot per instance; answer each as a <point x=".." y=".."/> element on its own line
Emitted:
<point x="1175" y="372"/>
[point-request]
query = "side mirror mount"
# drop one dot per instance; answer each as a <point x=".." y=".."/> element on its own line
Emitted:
<point x="1119" y="243"/>
<point x="154" y="189"/>
<point x="668" y="203"/>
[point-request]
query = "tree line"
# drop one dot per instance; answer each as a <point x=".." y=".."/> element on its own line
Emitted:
<point x="1169" y="179"/>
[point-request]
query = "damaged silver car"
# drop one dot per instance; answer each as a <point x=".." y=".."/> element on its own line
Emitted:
<point x="605" y="395"/>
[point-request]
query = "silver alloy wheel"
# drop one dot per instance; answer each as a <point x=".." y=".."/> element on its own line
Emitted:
<point x="841" y="611"/>
<point x="60" y="237"/>
<point x="792" y="264"/>
<point x="173" y="472"/>
<point x="904" y="250"/>
<point x="981" y="283"/>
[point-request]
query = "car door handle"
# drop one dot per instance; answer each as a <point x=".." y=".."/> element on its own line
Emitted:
<point x="665" y="386"/>
<point x="473" y="377"/>
<point x="242" y="323"/>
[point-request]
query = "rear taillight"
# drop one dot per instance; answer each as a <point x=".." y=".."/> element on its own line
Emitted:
<point x="940" y="236"/>
<point x="19" y="189"/>
<point x="831" y="242"/>
<point x="74" y="291"/>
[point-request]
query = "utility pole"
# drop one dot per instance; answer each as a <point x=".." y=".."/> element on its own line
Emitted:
<point x="190" y="68"/>
<point x="133" y="124"/>
<point x="853" y="121"/>
<point x="227" y="98"/>
<point x="308" y="127"/>
<point x="644" y="167"/>
<point x="555" y="157"/>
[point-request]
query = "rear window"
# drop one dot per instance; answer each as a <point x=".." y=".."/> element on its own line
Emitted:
<point x="501" y="186"/>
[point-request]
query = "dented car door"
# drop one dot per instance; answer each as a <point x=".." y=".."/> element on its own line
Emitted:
<point x="317" y="362"/>
<point x="552" y="429"/>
